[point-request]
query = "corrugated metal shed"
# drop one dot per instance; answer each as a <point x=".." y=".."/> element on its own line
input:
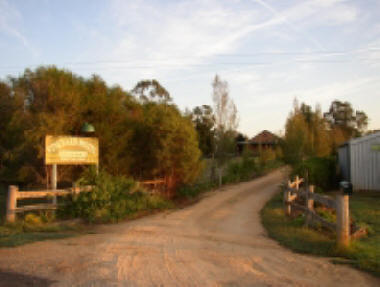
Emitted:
<point x="359" y="161"/>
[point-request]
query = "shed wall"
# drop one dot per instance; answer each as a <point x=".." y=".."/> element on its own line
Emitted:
<point x="365" y="163"/>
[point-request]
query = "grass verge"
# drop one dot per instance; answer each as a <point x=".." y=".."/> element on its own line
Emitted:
<point x="20" y="233"/>
<point x="290" y="232"/>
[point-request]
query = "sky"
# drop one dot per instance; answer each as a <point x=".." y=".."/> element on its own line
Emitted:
<point x="270" y="52"/>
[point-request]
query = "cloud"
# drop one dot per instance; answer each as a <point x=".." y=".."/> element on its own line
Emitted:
<point x="9" y="20"/>
<point x="181" y="34"/>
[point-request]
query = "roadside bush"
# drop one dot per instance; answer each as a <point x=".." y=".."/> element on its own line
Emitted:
<point x="240" y="171"/>
<point x="266" y="155"/>
<point x="320" y="171"/>
<point x="111" y="199"/>
<point x="32" y="219"/>
<point x="192" y="191"/>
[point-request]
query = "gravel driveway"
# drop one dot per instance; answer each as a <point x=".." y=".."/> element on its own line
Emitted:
<point x="216" y="242"/>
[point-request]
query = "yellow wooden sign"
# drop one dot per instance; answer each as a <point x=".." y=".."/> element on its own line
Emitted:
<point x="71" y="150"/>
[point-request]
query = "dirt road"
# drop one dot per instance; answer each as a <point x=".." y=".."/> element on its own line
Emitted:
<point x="217" y="242"/>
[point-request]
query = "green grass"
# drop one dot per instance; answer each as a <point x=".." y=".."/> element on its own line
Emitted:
<point x="22" y="238"/>
<point x="23" y="232"/>
<point x="365" y="210"/>
<point x="290" y="232"/>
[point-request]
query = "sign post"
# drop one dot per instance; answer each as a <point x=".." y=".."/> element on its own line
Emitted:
<point x="70" y="150"/>
<point x="54" y="181"/>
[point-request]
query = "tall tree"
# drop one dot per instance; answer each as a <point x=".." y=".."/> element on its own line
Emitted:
<point x="151" y="90"/>
<point x="342" y="116"/>
<point x="306" y="134"/>
<point x="144" y="138"/>
<point x="204" y="122"/>
<point x="226" y="122"/>
<point x="165" y="144"/>
<point x="224" y="107"/>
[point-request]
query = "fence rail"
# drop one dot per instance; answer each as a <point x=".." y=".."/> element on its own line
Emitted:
<point x="14" y="195"/>
<point x="340" y="204"/>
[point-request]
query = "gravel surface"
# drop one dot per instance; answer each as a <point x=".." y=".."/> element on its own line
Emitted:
<point x="217" y="242"/>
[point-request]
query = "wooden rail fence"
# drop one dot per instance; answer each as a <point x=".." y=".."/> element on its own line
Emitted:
<point x="153" y="184"/>
<point x="306" y="193"/>
<point x="14" y="195"/>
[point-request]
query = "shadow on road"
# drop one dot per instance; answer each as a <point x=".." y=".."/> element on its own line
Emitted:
<point x="13" y="279"/>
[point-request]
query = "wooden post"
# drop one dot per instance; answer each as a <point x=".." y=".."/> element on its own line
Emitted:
<point x="310" y="200"/>
<point x="342" y="220"/>
<point x="54" y="181"/>
<point x="12" y="203"/>
<point x="309" y="204"/>
<point x="288" y="207"/>
<point x="297" y="182"/>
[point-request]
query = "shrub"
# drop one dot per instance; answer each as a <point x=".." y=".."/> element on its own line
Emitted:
<point x="111" y="199"/>
<point x="266" y="155"/>
<point x="320" y="171"/>
<point x="32" y="219"/>
<point x="240" y="171"/>
<point x="192" y="191"/>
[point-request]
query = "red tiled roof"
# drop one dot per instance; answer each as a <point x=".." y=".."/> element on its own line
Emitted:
<point x="265" y="137"/>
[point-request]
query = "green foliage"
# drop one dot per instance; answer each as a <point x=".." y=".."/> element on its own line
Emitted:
<point x="194" y="190"/>
<point x="266" y="155"/>
<point x="309" y="134"/>
<point x="292" y="233"/>
<point x="166" y="144"/>
<point x="306" y="134"/>
<point x="341" y="115"/>
<point x="32" y="219"/>
<point x="242" y="170"/>
<point x="327" y="214"/>
<point x="365" y="211"/>
<point x="112" y="199"/>
<point x="320" y="171"/>
<point x="204" y="122"/>
<point x="144" y="137"/>
<point x="20" y="238"/>
<point x="151" y="90"/>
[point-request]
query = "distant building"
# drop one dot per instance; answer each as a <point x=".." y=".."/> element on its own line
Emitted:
<point x="359" y="162"/>
<point x="263" y="140"/>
